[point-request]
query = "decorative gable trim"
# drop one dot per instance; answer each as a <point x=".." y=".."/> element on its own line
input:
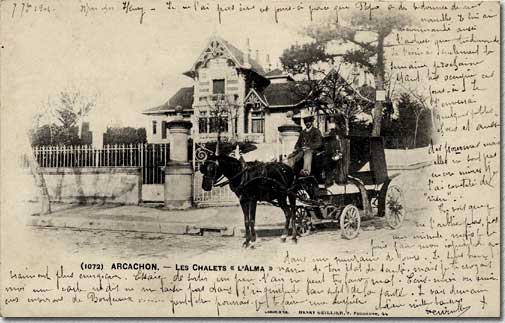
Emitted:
<point x="215" y="48"/>
<point x="253" y="98"/>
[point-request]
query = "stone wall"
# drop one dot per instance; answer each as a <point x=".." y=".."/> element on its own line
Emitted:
<point x="94" y="185"/>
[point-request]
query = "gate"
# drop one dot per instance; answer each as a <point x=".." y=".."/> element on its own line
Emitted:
<point x="154" y="159"/>
<point x="218" y="196"/>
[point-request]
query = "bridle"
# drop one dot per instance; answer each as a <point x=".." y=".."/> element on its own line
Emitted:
<point x="219" y="182"/>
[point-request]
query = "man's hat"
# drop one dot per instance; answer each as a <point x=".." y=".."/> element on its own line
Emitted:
<point x="307" y="115"/>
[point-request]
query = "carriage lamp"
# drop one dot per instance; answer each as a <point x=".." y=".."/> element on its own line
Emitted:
<point x="337" y="156"/>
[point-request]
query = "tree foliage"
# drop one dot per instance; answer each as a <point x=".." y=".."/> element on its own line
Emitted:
<point x="335" y="97"/>
<point x="367" y="36"/>
<point x="65" y="125"/>
<point x="414" y="121"/>
<point x="72" y="106"/>
<point x="124" y="135"/>
<point x="305" y="59"/>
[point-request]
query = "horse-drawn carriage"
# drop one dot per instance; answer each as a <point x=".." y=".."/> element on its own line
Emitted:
<point x="360" y="188"/>
<point x="364" y="190"/>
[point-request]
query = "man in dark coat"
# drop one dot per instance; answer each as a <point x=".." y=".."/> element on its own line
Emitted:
<point x="310" y="140"/>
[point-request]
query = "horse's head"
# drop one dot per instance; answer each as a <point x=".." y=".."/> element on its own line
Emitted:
<point x="211" y="173"/>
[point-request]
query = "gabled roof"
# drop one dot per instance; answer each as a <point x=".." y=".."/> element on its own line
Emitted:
<point x="278" y="74"/>
<point x="239" y="55"/>
<point x="260" y="97"/>
<point x="235" y="54"/>
<point x="183" y="97"/>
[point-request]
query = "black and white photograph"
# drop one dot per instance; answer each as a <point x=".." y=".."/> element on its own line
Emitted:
<point x="250" y="159"/>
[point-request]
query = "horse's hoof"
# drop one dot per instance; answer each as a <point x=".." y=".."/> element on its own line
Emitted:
<point x="245" y="244"/>
<point x="283" y="238"/>
<point x="252" y="245"/>
<point x="294" y="240"/>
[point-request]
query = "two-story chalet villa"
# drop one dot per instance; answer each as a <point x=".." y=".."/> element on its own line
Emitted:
<point x="259" y="98"/>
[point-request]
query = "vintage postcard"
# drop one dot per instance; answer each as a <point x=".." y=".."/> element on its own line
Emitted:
<point x="194" y="158"/>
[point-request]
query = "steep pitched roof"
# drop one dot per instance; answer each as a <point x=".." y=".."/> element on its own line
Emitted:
<point x="236" y="55"/>
<point x="239" y="55"/>
<point x="183" y="97"/>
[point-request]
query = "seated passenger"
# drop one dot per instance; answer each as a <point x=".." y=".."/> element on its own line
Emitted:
<point x="310" y="140"/>
<point x="334" y="156"/>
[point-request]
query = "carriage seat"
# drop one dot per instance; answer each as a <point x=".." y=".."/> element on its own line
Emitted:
<point x="325" y="160"/>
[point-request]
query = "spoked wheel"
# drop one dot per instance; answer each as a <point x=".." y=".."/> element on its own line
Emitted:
<point x="303" y="223"/>
<point x="394" y="207"/>
<point x="303" y="196"/>
<point x="350" y="222"/>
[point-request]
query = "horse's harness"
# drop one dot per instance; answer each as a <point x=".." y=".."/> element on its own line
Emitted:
<point x="281" y="186"/>
<point x="226" y="182"/>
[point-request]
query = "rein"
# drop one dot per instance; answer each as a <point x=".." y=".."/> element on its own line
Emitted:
<point x="228" y="180"/>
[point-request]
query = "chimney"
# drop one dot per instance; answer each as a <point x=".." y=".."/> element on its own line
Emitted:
<point x="247" y="55"/>
<point x="268" y="65"/>
<point x="258" y="56"/>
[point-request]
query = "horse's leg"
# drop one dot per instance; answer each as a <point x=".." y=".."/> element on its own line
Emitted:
<point x="287" y="213"/>
<point x="245" y="210"/>
<point x="292" y="210"/>
<point x="252" y="220"/>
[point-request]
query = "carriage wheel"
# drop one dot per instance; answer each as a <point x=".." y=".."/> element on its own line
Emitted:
<point x="395" y="207"/>
<point x="350" y="222"/>
<point x="303" y="223"/>
<point x="303" y="196"/>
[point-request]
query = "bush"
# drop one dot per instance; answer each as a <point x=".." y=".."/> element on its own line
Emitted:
<point x="124" y="135"/>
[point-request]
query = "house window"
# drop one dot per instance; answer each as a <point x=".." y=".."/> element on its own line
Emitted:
<point x="154" y="127"/>
<point x="257" y="122"/>
<point x="203" y="123"/>
<point x="163" y="129"/>
<point x="246" y="120"/>
<point x="218" y="87"/>
<point x="208" y="124"/>
<point x="216" y="123"/>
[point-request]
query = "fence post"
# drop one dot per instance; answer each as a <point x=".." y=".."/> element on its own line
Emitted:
<point x="178" y="172"/>
<point x="289" y="133"/>
<point x="141" y="148"/>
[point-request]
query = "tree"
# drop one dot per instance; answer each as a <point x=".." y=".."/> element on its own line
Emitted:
<point x="335" y="97"/>
<point x="221" y="109"/>
<point x="305" y="59"/>
<point x="369" y="54"/>
<point x="414" y="118"/>
<point x="419" y="109"/>
<point x="72" y="108"/>
<point x="307" y="62"/>
<point x="65" y="119"/>
<point x="322" y="87"/>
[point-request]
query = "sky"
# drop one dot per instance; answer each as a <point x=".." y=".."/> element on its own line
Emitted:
<point x="127" y="66"/>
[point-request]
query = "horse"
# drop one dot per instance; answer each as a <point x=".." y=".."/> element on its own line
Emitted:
<point x="272" y="182"/>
